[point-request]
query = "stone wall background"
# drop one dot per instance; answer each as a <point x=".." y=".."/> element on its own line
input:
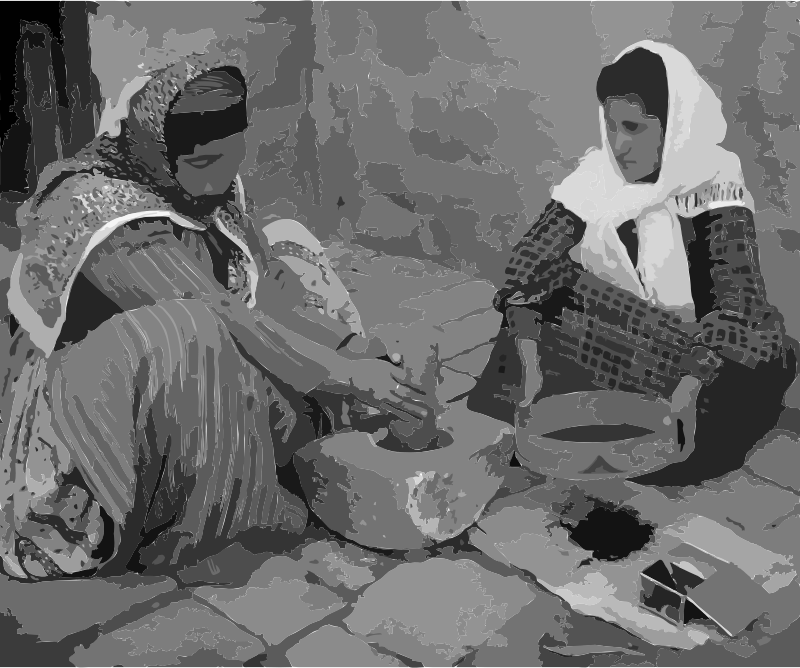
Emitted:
<point x="433" y="134"/>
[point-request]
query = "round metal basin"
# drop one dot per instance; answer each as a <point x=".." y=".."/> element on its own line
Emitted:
<point x="600" y="434"/>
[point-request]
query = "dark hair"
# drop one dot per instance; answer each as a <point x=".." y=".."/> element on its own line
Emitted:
<point x="187" y="123"/>
<point x="640" y="76"/>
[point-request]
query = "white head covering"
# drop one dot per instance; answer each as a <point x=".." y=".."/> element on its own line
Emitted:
<point x="692" y="162"/>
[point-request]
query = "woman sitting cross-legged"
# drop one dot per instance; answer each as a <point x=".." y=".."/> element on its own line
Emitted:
<point x="638" y="340"/>
<point x="148" y="424"/>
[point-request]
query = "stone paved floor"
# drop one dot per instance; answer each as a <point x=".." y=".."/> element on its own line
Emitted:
<point x="322" y="603"/>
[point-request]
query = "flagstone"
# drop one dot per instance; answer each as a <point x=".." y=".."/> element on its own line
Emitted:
<point x="333" y="647"/>
<point x="436" y="611"/>
<point x="277" y="601"/>
<point x="55" y="609"/>
<point x="185" y="633"/>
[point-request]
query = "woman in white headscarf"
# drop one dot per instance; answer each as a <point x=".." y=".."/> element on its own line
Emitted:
<point x="642" y="277"/>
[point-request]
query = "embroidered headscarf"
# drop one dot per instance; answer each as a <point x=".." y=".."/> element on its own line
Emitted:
<point x="694" y="170"/>
<point x="138" y="153"/>
<point x="114" y="180"/>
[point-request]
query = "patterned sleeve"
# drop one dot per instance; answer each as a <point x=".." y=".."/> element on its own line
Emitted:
<point x="730" y="295"/>
<point x="324" y="290"/>
<point x="540" y="262"/>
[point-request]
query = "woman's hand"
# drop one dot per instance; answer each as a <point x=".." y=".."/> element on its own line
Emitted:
<point x="725" y="336"/>
<point x="355" y="347"/>
<point x="376" y="382"/>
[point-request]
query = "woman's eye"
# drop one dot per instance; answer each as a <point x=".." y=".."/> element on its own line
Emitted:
<point x="202" y="161"/>
<point x="630" y="125"/>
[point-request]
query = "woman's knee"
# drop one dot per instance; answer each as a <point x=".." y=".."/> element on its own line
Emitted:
<point x="188" y="318"/>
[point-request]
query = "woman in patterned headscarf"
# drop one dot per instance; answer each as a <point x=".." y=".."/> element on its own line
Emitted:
<point x="148" y="420"/>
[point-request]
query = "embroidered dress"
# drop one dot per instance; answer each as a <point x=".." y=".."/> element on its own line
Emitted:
<point x="145" y="426"/>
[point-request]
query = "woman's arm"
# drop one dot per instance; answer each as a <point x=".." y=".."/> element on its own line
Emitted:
<point x="307" y="365"/>
<point x="145" y="263"/>
<point x="735" y="318"/>
<point x="540" y="262"/>
<point x="141" y="267"/>
<point x="298" y="361"/>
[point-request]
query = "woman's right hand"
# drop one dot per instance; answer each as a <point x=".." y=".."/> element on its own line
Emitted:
<point x="374" y="381"/>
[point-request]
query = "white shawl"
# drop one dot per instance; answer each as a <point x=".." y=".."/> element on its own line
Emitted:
<point x="692" y="164"/>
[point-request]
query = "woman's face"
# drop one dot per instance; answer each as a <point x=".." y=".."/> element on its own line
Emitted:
<point x="211" y="167"/>
<point x="636" y="140"/>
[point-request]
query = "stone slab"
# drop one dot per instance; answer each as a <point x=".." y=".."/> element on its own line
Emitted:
<point x="436" y="611"/>
<point x="740" y="502"/>
<point x="778" y="459"/>
<point x="452" y="304"/>
<point x="454" y="386"/>
<point x="276" y="602"/>
<point x="333" y="647"/>
<point x="467" y="333"/>
<point x="548" y="622"/>
<point x="472" y="362"/>
<point x="185" y="633"/>
<point x="792" y="397"/>
<point x="379" y="284"/>
<point x="342" y="566"/>
<point x="232" y="566"/>
<point x="53" y="610"/>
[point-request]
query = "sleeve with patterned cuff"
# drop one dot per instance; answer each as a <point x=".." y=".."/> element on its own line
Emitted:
<point x="324" y="290"/>
<point x="540" y="262"/>
<point x="734" y="315"/>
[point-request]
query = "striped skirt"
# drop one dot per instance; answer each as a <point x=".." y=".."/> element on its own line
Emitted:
<point x="150" y="441"/>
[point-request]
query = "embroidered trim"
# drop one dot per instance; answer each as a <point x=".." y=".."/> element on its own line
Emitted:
<point x="288" y="238"/>
<point x="28" y="480"/>
<point x="711" y="197"/>
<point x="243" y="271"/>
<point x="22" y="306"/>
<point x="292" y="249"/>
<point x="297" y="250"/>
<point x="25" y="548"/>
